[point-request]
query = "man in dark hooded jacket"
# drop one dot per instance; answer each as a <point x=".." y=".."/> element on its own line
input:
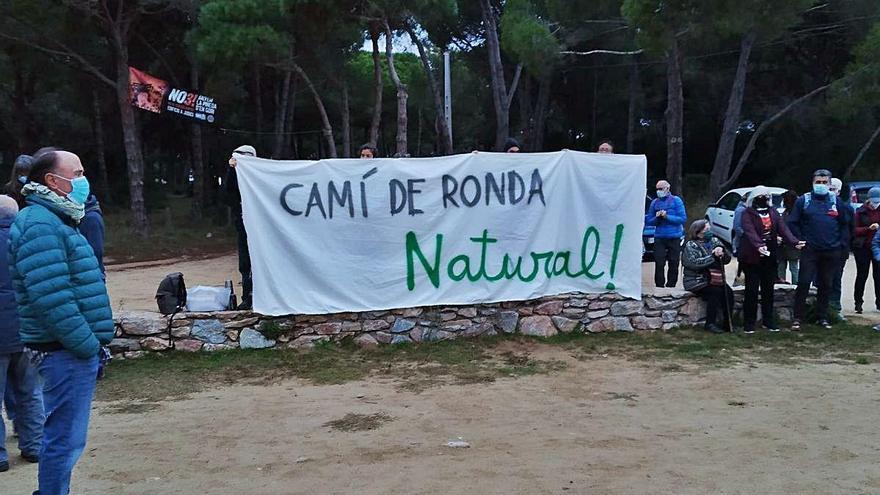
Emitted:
<point x="92" y="228"/>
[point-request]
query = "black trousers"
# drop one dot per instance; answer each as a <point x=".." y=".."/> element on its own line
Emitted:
<point x="761" y="275"/>
<point x="714" y="296"/>
<point x="865" y="262"/>
<point x="244" y="262"/>
<point x="666" y="251"/>
<point x="820" y="266"/>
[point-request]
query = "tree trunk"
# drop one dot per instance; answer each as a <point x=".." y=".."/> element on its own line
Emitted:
<point x="198" y="153"/>
<point x="674" y="118"/>
<point x="526" y="114"/>
<point x="634" y="90"/>
<point x="442" y="130"/>
<point x="377" y="88"/>
<point x="346" y="122"/>
<point x="132" y="140"/>
<point x="858" y="159"/>
<point x="100" y="145"/>
<point x="402" y="95"/>
<point x="727" y="143"/>
<point x="496" y="72"/>
<point x="257" y="95"/>
<point x="326" y="127"/>
<point x="281" y="116"/>
<point x="289" y="138"/>
<point x="541" y="110"/>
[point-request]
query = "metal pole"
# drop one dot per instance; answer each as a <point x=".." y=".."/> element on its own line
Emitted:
<point x="447" y="93"/>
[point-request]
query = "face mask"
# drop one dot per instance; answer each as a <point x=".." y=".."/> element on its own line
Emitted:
<point x="662" y="193"/>
<point x="22" y="179"/>
<point x="79" y="192"/>
<point x="875" y="203"/>
<point x="820" y="189"/>
<point x="708" y="236"/>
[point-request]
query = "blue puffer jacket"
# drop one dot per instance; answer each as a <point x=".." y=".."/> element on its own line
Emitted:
<point x="59" y="288"/>
<point x="671" y="227"/>
<point x="9" y="341"/>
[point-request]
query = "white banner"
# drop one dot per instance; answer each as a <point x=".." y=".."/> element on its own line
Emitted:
<point x="357" y="235"/>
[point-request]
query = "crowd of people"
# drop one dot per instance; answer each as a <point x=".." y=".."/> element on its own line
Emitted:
<point x="55" y="313"/>
<point x="812" y="240"/>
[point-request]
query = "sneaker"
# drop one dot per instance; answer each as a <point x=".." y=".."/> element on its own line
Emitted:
<point x="795" y="326"/>
<point x="4" y="466"/>
<point x="858" y="308"/>
<point x="32" y="458"/>
<point x="841" y="316"/>
<point x="749" y="331"/>
<point x="771" y="328"/>
<point x="825" y="324"/>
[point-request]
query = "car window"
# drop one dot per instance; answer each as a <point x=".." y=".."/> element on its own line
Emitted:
<point x="729" y="201"/>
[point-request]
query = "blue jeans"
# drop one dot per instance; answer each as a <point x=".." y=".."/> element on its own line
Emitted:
<point x="20" y="380"/>
<point x="9" y="402"/>
<point x="68" y="387"/>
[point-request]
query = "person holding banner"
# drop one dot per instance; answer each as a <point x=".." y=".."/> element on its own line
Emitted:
<point x="668" y="216"/>
<point x="367" y="152"/>
<point x="511" y="145"/>
<point x="233" y="199"/>
<point x="605" y="146"/>
<point x="704" y="259"/>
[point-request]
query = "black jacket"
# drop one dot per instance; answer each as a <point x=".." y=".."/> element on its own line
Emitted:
<point x="697" y="259"/>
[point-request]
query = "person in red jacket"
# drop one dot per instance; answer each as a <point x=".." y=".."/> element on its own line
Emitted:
<point x="758" y="252"/>
<point x="867" y="221"/>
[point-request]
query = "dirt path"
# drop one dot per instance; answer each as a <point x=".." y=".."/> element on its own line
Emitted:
<point x="601" y="426"/>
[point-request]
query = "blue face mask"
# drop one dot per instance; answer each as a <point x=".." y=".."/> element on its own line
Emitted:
<point x="80" y="189"/>
<point x="662" y="193"/>
<point x="22" y="179"/>
<point x="820" y="189"/>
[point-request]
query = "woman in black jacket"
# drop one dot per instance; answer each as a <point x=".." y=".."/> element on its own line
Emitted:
<point x="703" y="258"/>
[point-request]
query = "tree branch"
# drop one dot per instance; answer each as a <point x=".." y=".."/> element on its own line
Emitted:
<point x="744" y="159"/>
<point x="161" y="58"/>
<point x="861" y="154"/>
<point x="606" y="52"/>
<point x="514" y="84"/>
<point x="63" y="51"/>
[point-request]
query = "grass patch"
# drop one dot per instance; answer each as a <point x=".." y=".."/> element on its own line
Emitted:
<point x="845" y="342"/>
<point x="359" y="422"/>
<point x="173" y="234"/>
<point x="419" y="367"/>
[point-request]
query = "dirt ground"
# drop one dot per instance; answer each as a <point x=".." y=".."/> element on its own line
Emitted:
<point x="599" y="426"/>
<point x="133" y="286"/>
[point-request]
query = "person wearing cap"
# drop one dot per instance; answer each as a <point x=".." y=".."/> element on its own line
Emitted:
<point x="233" y="199"/>
<point x="867" y="221"/>
<point x="848" y="213"/>
<point x="511" y="145"/>
<point x="758" y="252"/>
<point x="816" y="219"/>
<point x="367" y="151"/>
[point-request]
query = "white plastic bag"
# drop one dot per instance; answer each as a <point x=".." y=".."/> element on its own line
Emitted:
<point x="202" y="298"/>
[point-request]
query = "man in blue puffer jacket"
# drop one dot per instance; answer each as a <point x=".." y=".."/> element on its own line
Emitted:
<point x="63" y="305"/>
<point x="668" y="215"/>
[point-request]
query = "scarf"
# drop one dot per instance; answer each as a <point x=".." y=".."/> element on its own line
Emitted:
<point x="66" y="207"/>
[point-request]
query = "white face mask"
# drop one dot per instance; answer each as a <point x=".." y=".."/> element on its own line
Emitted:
<point x="874" y="203"/>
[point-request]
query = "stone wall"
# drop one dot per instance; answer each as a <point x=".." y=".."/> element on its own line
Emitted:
<point x="138" y="332"/>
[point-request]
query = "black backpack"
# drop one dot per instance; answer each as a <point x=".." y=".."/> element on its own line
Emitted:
<point x="171" y="295"/>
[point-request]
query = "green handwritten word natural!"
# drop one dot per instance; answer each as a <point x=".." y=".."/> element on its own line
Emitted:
<point x="524" y="269"/>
